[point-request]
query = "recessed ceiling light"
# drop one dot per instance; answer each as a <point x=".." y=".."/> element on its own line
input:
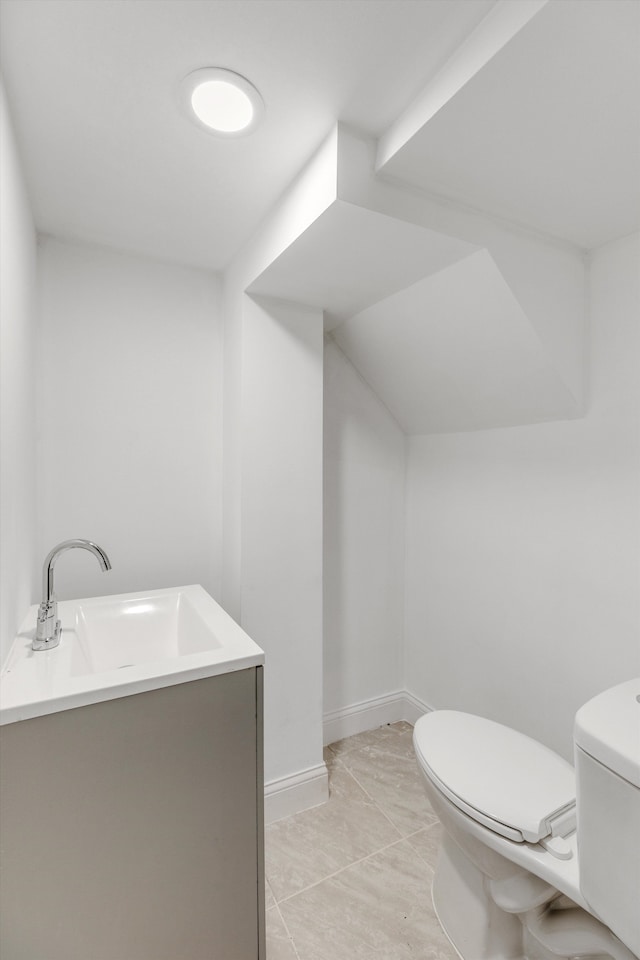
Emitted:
<point x="222" y="102"/>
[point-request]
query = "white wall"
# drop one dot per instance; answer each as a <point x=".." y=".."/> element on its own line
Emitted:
<point x="281" y="536"/>
<point x="364" y="473"/>
<point x="523" y="544"/>
<point x="18" y="333"/>
<point x="312" y="192"/>
<point x="272" y="582"/>
<point x="130" y="445"/>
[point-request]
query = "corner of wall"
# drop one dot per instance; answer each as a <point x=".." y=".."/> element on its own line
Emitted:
<point x="289" y="795"/>
<point x="18" y="313"/>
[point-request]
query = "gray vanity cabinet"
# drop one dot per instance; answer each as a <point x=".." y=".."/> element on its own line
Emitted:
<point x="132" y="829"/>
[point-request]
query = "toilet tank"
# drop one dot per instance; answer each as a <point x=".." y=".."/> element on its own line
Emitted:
<point x="607" y="761"/>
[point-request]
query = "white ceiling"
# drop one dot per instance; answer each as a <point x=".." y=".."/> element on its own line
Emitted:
<point x="547" y="133"/>
<point x="110" y="157"/>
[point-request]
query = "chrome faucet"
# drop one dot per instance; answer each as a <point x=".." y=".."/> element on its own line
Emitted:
<point x="48" y="627"/>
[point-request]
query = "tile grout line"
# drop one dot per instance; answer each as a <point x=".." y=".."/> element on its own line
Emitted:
<point x="374" y="802"/>
<point x="377" y="805"/>
<point x="371" y="853"/>
<point x="287" y="931"/>
<point x="384" y="814"/>
<point x="355" y="863"/>
<point x="426" y="827"/>
<point x="424" y="859"/>
<point x="400" y="837"/>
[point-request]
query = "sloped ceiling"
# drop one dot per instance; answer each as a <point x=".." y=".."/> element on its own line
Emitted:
<point x="352" y="257"/>
<point x="446" y="337"/>
<point x="547" y="132"/>
<point x="455" y="351"/>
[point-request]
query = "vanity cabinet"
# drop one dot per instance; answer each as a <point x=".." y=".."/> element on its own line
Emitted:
<point x="132" y="829"/>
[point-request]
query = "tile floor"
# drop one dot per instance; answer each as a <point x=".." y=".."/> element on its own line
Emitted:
<point x="351" y="879"/>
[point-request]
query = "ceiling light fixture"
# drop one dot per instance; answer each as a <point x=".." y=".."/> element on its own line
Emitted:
<point x="222" y="102"/>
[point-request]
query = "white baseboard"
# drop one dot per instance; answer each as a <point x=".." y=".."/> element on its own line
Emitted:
<point x="373" y="713"/>
<point x="366" y="715"/>
<point x="309" y="788"/>
<point x="289" y="795"/>
<point x="414" y="707"/>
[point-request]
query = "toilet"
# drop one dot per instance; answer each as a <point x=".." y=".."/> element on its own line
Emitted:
<point x="539" y="860"/>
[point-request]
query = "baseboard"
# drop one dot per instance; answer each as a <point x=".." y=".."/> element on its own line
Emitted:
<point x="289" y="795"/>
<point x="414" y="707"/>
<point x="309" y="788"/>
<point x="373" y="713"/>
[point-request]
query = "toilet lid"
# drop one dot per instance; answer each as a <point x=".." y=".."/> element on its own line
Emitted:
<point x="503" y="779"/>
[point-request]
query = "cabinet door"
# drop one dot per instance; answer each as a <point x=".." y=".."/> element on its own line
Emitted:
<point x="132" y="829"/>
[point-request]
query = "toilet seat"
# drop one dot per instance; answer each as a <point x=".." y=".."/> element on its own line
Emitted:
<point x="504" y="780"/>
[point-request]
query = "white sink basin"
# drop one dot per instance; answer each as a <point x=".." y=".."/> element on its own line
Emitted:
<point x="121" y="645"/>
<point x="116" y="632"/>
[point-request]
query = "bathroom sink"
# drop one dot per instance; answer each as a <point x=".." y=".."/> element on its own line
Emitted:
<point x="121" y="645"/>
<point x="115" y="633"/>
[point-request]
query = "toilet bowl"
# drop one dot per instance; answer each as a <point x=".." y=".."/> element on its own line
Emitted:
<point x="539" y="860"/>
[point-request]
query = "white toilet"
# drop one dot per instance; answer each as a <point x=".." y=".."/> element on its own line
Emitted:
<point x="538" y="861"/>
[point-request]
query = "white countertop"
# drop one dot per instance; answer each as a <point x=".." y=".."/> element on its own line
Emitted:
<point x="121" y="645"/>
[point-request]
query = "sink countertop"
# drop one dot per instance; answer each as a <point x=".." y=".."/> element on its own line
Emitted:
<point x="120" y="645"/>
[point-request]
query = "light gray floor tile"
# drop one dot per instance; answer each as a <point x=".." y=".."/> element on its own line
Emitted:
<point x="388" y="772"/>
<point x="279" y="944"/>
<point x="312" y="845"/>
<point x="427" y="843"/>
<point x="389" y="731"/>
<point x="402" y="726"/>
<point x="331" y="760"/>
<point x="378" y="909"/>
